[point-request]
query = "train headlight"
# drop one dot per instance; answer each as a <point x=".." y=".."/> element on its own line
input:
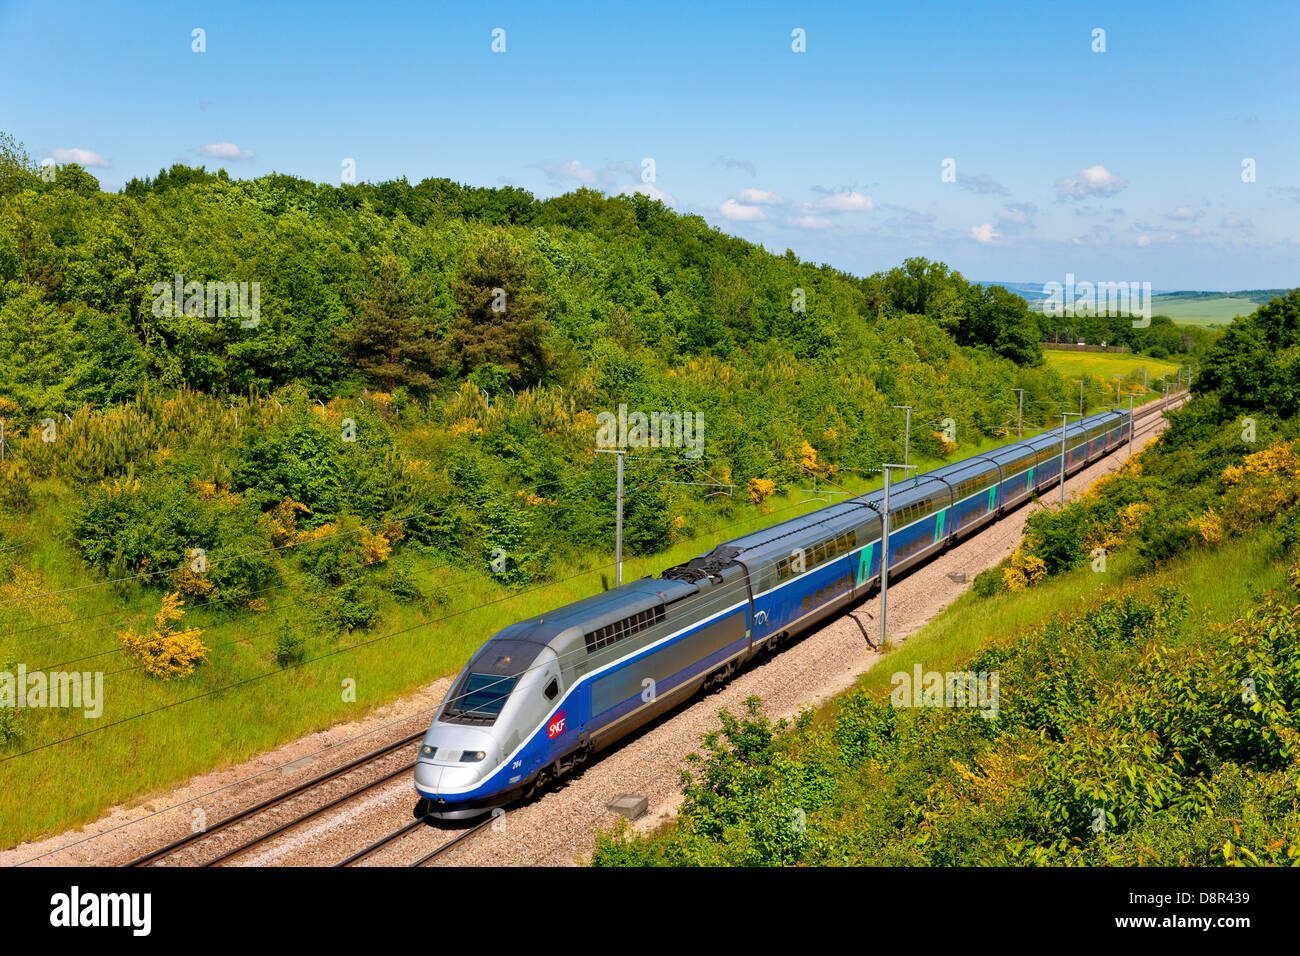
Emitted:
<point x="427" y="751"/>
<point x="472" y="756"/>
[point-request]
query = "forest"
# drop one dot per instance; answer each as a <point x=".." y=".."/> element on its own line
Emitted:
<point x="474" y="335"/>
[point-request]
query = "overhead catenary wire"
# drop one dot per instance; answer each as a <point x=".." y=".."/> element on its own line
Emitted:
<point x="303" y="663"/>
<point x="315" y="753"/>
<point x="702" y="602"/>
<point x="298" y="664"/>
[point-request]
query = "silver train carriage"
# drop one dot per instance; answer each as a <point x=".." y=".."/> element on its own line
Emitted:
<point x="549" y="693"/>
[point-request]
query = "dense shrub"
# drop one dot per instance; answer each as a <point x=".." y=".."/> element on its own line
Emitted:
<point x="1116" y="742"/>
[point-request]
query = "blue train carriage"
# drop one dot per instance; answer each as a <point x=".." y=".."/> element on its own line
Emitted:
<point x="803" y="569"/>
<point x="547" y="693"/>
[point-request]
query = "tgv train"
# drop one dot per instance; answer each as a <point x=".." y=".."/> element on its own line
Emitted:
<point x="550" y="692"/>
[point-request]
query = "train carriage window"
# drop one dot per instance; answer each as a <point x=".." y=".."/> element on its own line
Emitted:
<point x="806" y="604"/>
<point x="618" y="630"/>
<point x="853" y="539"/>
<point x="552" y="689"/>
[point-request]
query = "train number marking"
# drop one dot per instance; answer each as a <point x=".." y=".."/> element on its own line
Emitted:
<point x="516" y="765"/>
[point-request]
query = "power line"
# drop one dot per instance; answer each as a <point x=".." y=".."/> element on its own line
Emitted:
<point x="303" y="663"/>
<point x="321" y="750"/>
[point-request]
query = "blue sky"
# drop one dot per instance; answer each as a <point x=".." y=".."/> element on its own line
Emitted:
<point x="1116" y="165"/>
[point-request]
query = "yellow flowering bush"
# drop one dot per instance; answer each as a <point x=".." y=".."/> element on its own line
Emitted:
<point x="466" y="426"/>
<point x="167" y="652"/>
<point x="760" y="488"/>
<point x="283" y="521"/>
<point x="1024" y="569"/>
<point x="946" y="447"/>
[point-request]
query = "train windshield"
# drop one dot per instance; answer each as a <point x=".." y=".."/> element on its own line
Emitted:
<point x="483" y="695"/>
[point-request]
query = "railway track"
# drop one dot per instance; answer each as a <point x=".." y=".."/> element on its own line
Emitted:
<point x="249" y="815"/>
<point x="400" y="832"/>
<point x="1146" y="417"/>
<point x="1145" y="421"/>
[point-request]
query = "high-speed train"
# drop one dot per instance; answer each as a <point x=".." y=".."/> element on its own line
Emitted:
<point x="552" y="691"/>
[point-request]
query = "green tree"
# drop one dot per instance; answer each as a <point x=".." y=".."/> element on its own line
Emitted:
<point x="394" y="340"/>
<point x="503" y="315"/>
<point x="17" y="171"/>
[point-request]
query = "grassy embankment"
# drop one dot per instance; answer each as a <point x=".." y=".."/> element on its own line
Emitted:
<point x="1087" y="660"/>
<point x="241" y="702"/>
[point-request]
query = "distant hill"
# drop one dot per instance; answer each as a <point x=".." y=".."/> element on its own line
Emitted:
<point x="1186" y="307"/>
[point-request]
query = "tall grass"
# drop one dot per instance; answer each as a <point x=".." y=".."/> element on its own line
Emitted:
<point x="1220" y="581"/>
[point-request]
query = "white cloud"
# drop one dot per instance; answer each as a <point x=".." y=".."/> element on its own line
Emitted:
<point x="809" y="222"/>
<point x="909" y="223"/>
<point x="981" y="183"/>
<point x="760" y="197"/>
<point x="82" y="157"/>
<point x="984" y="233"/>
<point x="1144" y="241"/>
<point x="1183" y="214"/>
<point x="559" y="172"/>
<point x="734" y="210"/>
<point x="1093" y="181"/>
<point x="1017" y="213"/>
<point x="1014" y="217"/>
<point x="647" y="189"/>
<point x="1232" y="222"/>
<point x="223" y="151"/>
<point x="744" y="164"/>
<point x="846" y="202"/>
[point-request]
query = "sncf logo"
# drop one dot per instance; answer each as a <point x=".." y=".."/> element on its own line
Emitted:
<point x="556" y="726"/>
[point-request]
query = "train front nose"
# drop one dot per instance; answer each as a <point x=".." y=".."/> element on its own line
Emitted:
<point x="439" y="780"/>
<point x="453" y="761"/>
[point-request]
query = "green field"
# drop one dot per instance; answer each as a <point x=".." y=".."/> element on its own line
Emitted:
<point x="1106" y="365"/>
<point x="1209" y="308"/>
